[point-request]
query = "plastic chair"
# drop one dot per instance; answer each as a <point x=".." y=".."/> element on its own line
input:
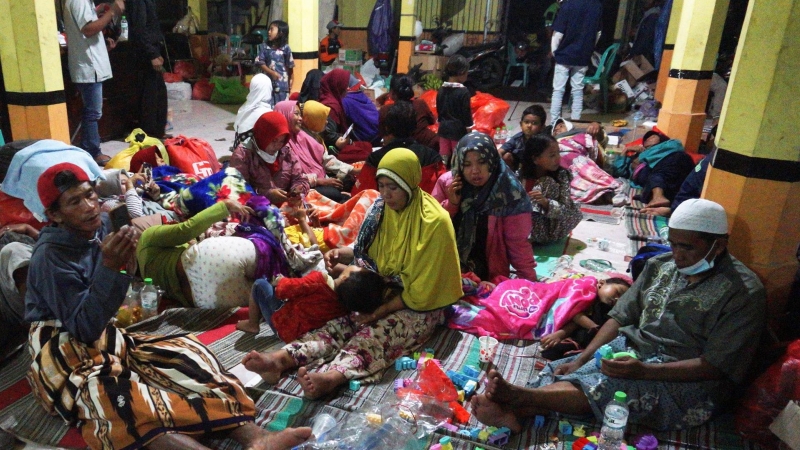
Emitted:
<point x="602" y="74"/>
<point x="513" y="62"/>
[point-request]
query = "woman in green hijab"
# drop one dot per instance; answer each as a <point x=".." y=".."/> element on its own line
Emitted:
<point x="406" y="237"/>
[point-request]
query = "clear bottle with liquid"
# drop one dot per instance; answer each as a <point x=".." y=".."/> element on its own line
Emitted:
<point x="148" y="298"/>
<point x="123" y="29"/>
<point x="615" y="420"/>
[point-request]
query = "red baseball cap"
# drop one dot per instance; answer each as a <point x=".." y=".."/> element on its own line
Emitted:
<point x="46" y="186"/>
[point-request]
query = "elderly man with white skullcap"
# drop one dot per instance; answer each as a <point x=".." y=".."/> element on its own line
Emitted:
<point x="689" y="326"/>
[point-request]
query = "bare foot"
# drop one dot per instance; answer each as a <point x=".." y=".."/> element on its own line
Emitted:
<point x="501" y="391"/>
<point x="492" y="414"/>
<point x="254" y="438"/>
<point x="269" y="365"/>
<point x="247" y="326"/>
<point x="317" y="385"/>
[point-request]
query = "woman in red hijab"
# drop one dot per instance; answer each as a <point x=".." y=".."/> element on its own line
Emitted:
<point x="271" y="170"/>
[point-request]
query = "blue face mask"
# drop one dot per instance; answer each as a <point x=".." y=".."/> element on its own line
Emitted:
<point x="700" y="266"/>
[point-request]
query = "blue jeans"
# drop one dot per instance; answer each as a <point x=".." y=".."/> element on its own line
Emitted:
<point x="264" y="295"/>
<point x="92" y="94"/>
<point x="575" y="75"/>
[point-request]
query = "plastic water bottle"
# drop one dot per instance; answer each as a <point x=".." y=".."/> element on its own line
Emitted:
<point x="123" y="29"/>
<point x="497" y="137"/>
<point x="607" y="245"/>
<point x="638" y="118"/>
<point x="614" y="422"/>
<point x="148" y="297"/>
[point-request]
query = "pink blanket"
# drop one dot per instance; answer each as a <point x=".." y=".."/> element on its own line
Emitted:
<point x="521" y="309"/>
<point x="589" y="181"/>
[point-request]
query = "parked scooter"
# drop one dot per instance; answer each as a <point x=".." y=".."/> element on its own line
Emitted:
<point x="486" y="61"/>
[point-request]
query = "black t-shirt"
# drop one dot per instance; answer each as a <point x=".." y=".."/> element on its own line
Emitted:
<point x="452" y="104"/>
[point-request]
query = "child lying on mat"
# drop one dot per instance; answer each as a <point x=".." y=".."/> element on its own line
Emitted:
<point x="295" y="306"/>
<point x="575" y="335"/>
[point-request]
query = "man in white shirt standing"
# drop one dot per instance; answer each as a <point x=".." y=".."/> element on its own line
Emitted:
<point x="89" y="65"/>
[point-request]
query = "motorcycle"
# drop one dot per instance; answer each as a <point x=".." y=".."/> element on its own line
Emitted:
<point x="486" y="61"/>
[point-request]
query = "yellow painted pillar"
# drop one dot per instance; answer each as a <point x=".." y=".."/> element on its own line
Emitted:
<point x="683" y="110"/>
<point x="200" y="9"/>
<point x="405" y="47"/>
<point x="756" y="172"/>
<point x="669" y="48"/>
<point x="31" y="61"/>
<point x="303" y="19"/>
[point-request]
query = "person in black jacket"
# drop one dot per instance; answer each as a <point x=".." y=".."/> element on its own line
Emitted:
<point x="147" y="40"/>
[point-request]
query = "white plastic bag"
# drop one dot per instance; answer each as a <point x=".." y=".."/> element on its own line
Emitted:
<point x="187" y="25"/>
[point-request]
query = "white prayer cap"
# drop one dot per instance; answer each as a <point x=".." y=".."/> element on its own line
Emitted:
<point x="699" y="214"/>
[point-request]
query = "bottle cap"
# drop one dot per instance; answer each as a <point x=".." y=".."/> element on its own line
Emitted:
<point x="445" y="440"/>
<point x="620" y="396"/>
<point x="124" y="272"/>
<point x="148" y="281"/>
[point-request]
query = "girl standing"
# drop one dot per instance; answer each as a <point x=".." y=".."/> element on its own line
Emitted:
<point x="555" y="214"/>
<point x="275" y="59"/>
<point x="452" y="104"/>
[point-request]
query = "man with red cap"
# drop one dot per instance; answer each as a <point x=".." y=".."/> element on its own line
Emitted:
<point x="121" y="388"/>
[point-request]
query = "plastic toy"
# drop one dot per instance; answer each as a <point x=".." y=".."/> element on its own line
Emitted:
<point x="461" y="395"/>
<point x="580" y="443"/>
<point x="564" y="427"/>
<point x="436" y="447"/>
<point x="471" y="371"/>
<point x="470" y="387"/>
<point x="405" y="363"/>
<point x="538" y="422"/>
<point x="647" y="442"/>
<point x="483" y="436"/>
<point x="445" y="443"/>
<point x="499" y="439"/>
<point x="460" y="415"/>
<point x="579" y="431"/>
<point x="606" y="352"/>
<point x="355" y="385"/>
<point x="449" y="427"/>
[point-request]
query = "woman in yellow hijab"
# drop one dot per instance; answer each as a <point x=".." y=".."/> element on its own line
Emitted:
<point x="408" y="237"/>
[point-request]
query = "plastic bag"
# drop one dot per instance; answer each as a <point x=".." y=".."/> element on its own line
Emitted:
<point x="767" y="397"/>
<point x="170" y="77"/>
<point x="488" y="112"/>
<point x="186" y="69"/>
<point x="13" y="210"/>
<point x="187" y="25"/>
<point x="138" y="140"/>
<point x="192" y="155"/>
<point x="228" y="91"/>
<point x="202" y="90"/>
<point x="430" y="98"/>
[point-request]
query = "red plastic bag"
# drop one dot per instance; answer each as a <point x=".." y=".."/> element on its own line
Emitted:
<point x="488" y="112"/>
<point x="202" y="90"/>
<point x="767" y="397"/>
<point x="185" y="69"/>
<point x="192" y="155"/>
<point x="430" y="98"/>
<point x="170" y="77"/>
<point x="13" y="210"/>
<point x="433" y="382"/>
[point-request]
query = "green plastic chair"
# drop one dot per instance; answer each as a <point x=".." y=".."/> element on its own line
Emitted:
<point x="602" y="74"/>
<point x="513" y="62"/>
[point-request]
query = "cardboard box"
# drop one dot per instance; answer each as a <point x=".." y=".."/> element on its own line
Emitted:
<point x="352" y="68"/>
<point x="635" y="69"/>
<point x="625" y="87"/>
<point x="430" y="63"/>
<point x="351" y="56"/>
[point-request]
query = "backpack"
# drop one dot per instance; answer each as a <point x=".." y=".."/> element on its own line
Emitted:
<point x="638" y="262"/>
